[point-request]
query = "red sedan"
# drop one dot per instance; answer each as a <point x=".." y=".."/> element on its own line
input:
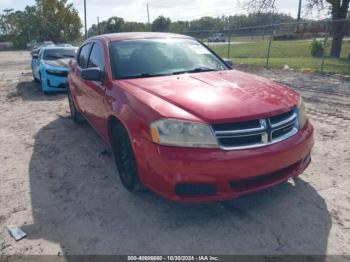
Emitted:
<point x="182" y="123"/>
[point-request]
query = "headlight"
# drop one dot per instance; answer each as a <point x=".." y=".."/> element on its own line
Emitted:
<point x="302" y="113"/>
<point x="174" y="132"/>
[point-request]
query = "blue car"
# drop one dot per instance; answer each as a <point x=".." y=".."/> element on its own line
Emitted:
<point x="50" y="67"/>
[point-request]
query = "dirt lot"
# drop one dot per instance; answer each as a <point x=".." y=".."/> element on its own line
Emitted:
<point x="58" y="183"/>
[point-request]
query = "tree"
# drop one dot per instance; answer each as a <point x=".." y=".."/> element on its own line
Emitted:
<point x="114" y="24"/>
<point x="135" y="27"/>
<point x="54" y="20"/>
<point x="5" y="19"/>
<point x="161" y="24"/>
<point x="60" y="21"/>
<point x="117" y="24"/>
<point x="339" y="11"/>
<point x="179" y="26"/>
<point x="207" y="23"/>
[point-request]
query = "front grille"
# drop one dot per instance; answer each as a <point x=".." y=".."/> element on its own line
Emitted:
<point x="257" y="133"/>
<point x="247" y="184"/>
<point x="63" y="85"/>
<point x="237" y="126"/>
<point x="240" y="140"/>
<point x="57" y="73"/>
<point x="279" y="118"/>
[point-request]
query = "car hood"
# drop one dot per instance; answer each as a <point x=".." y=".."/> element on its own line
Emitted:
<point x="221" y="96"/>
<point x="58" y="62"/>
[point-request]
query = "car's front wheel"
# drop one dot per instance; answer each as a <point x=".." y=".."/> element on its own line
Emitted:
<point x="125" y="159"/>
<point x="74" y="113"/>
<point x="35" y="79"/>
<point x="42" y="85"/>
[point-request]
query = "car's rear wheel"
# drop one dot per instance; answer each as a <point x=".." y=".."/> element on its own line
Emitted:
<point x="74" y="113"/>
<point x="125" y="159"/>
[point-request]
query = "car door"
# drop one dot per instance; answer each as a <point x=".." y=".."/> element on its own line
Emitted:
<point x="95" y="90"/>
<point x="79" y="84"/>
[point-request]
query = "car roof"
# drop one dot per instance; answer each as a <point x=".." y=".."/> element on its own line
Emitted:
<point x="59" y="47"/>
<point x="137" y="35"/>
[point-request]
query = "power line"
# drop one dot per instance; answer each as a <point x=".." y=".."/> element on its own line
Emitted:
<point x="165" y="3"/>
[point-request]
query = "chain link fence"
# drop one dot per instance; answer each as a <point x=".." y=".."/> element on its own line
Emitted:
<point x="307" y="46"/>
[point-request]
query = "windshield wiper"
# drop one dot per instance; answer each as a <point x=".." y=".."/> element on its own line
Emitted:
<point x="196" y="70"/>
<point x="142" y="75"/>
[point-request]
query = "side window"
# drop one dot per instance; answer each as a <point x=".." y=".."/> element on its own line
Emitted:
<point x="97" y="57"/>
<point x="84" y="55"/>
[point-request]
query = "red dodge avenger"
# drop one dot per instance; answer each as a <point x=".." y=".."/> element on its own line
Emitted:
<point x="182" y="123"/>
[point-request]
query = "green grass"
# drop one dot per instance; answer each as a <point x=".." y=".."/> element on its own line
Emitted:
<point x="295" y="53"/>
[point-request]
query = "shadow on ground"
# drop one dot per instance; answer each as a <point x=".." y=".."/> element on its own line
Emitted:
<point x="30" y="90"/>
<point x="78" y="202"/>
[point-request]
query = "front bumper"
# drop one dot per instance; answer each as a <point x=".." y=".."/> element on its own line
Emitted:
<point x="221" y="175"/>
<point x="52" y="83"/>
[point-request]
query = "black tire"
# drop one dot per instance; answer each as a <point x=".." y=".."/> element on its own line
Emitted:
<point x="74" y="113"/>
<point x="125" y="160"/>
<point x="41" y="85"/>
<point x="35" y="79"/>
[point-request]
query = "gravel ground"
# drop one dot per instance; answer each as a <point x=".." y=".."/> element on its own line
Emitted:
<point x="58" y="183"/>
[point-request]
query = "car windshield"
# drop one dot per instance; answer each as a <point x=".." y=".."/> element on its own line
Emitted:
<point x="54" y="54"/>
<point x="157" y="57"/>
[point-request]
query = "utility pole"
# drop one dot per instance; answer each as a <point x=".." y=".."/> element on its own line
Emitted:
<point x="98" y="25"/>
<point x="299" y="15"/>
<point x="85" y="26"/>
<point x="29" y="37"/>
<point x="149" y="22"/>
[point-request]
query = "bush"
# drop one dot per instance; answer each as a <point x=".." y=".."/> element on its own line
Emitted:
<point x="316" y="48"/>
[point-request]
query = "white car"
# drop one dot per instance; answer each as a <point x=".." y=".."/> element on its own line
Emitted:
<point x="219" y="37"/>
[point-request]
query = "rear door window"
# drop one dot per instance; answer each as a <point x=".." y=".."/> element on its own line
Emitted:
<point x="84" y="55"/>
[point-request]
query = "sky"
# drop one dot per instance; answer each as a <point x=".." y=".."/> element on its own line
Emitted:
<point x="136" y="10"/>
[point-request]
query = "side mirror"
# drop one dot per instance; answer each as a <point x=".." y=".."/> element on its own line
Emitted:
<point x="35" y="56"/>
<point x="92" y="74"/>
<point x="228" y="62"/>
